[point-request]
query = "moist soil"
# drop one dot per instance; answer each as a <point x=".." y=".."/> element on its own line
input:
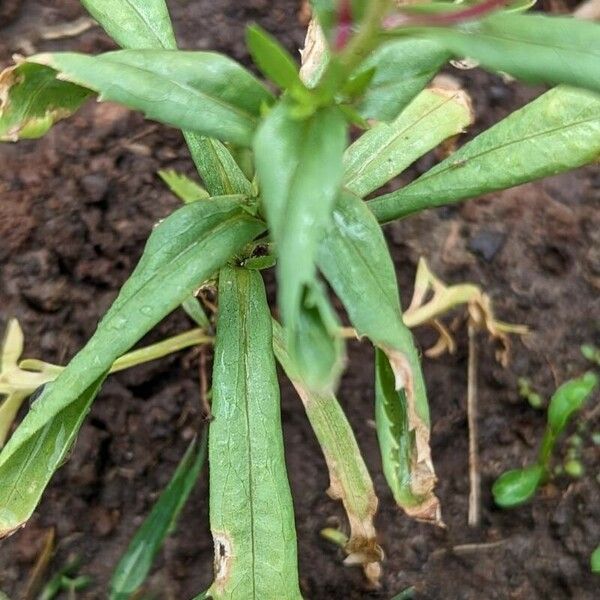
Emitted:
<point x="75" y="209"/>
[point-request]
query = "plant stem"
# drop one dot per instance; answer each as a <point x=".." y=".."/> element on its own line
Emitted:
<point x="367" y="36"/>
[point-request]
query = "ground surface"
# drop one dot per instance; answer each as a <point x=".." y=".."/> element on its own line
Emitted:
<point x="75" y="209"/>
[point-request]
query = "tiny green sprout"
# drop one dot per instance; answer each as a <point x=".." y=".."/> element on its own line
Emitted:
<point x="591" y="353"/>
<point x="335" y="536"/>
<point x="595" y="560"/>
<point x="519" y="485"/>
<point x="574" y="468"/>
<point x="529" y="394"/>
<point x="596" y="438"/>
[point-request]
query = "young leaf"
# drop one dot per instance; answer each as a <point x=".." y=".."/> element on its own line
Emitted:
<point x="354" y="258"/>
<point x="135" y="564"/>
<point x="386" y="150"/>
<point x="184" y="250"/>
<point x="143" y="24"/>
<point x="170" y="86"/>
<point x="535" y="48"/>
<point x="299" y="166"/>
<point x="251" y="512"/>
<point x="33" y="459"/>
<point x="186" y="189"/>
<point x="402" y="69"/>
<point x="517" y="486"/>
<point x="134" y="23"/>
<point x="194" y="311"/>
<point x="217" y="167"/>
<point x="557" y="132"/>
<point x="568" y="399"/>
<point x="350" y="481"/>
<point x="272" y="58"/>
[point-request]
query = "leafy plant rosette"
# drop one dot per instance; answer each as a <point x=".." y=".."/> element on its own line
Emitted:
<point x="298" y="202"/>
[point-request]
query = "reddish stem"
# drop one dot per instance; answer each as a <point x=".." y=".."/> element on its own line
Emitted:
<point x="344" y="24"/>
<point x="447" y="18"/>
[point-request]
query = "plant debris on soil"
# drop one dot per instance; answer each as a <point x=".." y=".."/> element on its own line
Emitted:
<point x="75" y="209"/>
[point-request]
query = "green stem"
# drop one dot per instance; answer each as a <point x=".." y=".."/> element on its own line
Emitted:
<point x="366" y="39"/>
<point x="546" y="448"/>
<point x="193" y="337"/>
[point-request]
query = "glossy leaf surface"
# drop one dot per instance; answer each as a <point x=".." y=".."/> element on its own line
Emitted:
<point x="536" y="48"/>
<point x="558" y="131"/>
<point x="184" y="250"/>
<point x="402" y="69"/>
<point x="299" y="165"/>
<point x="251" y="512"/>
<point x="134" y="23"/>
<point x="355" y="260"/>
<point x="388" y="149"/>
<point x="517" y="486"/>
<point x="200" y="91"/>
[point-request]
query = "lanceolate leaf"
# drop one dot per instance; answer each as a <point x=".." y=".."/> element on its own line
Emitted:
<point x="184" y="250"/>
<point x="142" y="24"/>
<point x="557" y="132"/>
<point x="134" y="23"/>
<point x="299" y="165"/>
<point x="34" y="458"/>
<point x="218" y="169"/>
<point x="271" y="58"/>
<point x="186" y="189"/>
<point x="386" y="150"/>
<point x="200" y="91"/>
<point x="350" y="481"/>
<point x="354" y="258"/>
<point x="535" y="48"/>
<point x="251" y="512"/>
<point x="402" y="69"/>
<point x="135" y="564"/>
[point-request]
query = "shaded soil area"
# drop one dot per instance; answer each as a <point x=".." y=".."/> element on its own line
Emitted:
<point x="75" y="209"/>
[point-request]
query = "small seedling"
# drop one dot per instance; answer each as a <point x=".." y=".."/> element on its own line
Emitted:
<point x="592" y="353"/>
<point x="520" y="485"/>
<point x="281" y="183"/>
<point x="528" y="393"/>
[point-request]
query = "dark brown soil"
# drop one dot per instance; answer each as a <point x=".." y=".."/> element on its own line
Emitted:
<point x="75" y="209"/>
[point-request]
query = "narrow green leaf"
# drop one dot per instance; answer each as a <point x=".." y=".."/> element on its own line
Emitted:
<point x="536" y="48"/>
<point x="517" y="486"/>
<point x="183" y="251"/>
<point x="194" y="311"/>
<point x="217" y="167"/>
<point x="33" y="459"/>
<point x="186" y="189"/>
<point x="354" y="258"/>
<point x="387" y="149"/>
<point x="274" y="61"/>
<point x="557" y="132"/>
<point x="299" y="166"/>
<point x="251" y="512"/>
<point x="568" y="399"/>
<point x="350" y="481"/>
<point x="170" y="86"/>
<point x="135" y="564"/>
<point x="134" y="23"/>
<point x="402" y="69"/>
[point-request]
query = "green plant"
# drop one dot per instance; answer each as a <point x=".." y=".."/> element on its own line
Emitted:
<point x="297" y="201"/>
<point x="519" y="485"/>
